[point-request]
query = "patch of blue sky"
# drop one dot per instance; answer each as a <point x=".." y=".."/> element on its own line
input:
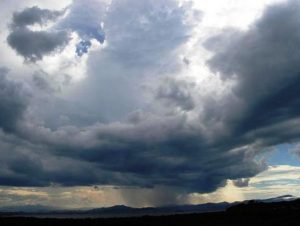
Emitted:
<point x="282" y="155"/>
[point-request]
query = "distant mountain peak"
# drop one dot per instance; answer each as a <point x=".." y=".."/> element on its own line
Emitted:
<point x="287" y="196"/>
<point x="281" y="198"/>
<point x="120" y="207"/>
<point x="122" y="210"/>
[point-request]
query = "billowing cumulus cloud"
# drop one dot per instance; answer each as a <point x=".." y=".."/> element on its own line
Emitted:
<point x="86" y="18"/>
<point x="264" y="63"/>
<point x="158" y="149"/>
<point x="143" y="42"/>
<point x="153" y="126"/>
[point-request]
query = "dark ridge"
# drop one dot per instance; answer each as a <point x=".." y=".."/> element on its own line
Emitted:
<point x="252" y="212"/>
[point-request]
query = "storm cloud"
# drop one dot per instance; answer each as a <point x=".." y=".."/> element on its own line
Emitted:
<point x="264" y="61"/>
<point x="13" y="102"/>
<point x="243" y="182"/>
<point x="51" y="40"/>
<point x="33" y="45"/>
<point x="176" y="93"/>
<point x="34" y="15"/>
<point x="179" y="138"/>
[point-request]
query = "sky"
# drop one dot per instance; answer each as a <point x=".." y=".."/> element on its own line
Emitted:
<point x="148" y="102"/>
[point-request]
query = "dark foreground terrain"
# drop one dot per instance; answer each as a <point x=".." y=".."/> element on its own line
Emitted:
<point x="250" y="213"/>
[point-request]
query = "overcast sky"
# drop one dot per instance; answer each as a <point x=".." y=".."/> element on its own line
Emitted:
<point x="148" y="102"/>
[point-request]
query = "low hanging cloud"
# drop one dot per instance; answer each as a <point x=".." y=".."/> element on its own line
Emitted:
<point x="162" y="151"/>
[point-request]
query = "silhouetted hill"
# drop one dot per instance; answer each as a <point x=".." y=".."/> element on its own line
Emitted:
<point x="28" y="209"/>
<point x="257" y="207"/>
<point x="280" y="198"/>
<point x="118" y="211"/>
<point x="253" y="212"/>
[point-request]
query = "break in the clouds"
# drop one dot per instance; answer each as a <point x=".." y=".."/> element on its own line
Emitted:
<point x="159" y="106"/>
<point x="84" y="19"/>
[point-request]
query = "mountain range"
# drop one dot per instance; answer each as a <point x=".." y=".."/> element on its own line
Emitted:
<point x="125" y="211"/>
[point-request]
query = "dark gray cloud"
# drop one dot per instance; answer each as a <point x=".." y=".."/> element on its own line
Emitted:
<point x="264" y="61"/>
<point x="243" y="182"/>
<point x="165" y="151"/>
<point x="34" y="15"/>
<point x="83" y="17"/>
<point x="41" y="81"/>
<point x="25" y="164"/>
<point x="176" y="93"/>
<point x="154" y="149"/>
<point x="13" y="102"/>
<point x="33" y="45"/>
<point x="192" y="150"/>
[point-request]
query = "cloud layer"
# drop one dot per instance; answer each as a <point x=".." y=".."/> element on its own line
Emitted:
<point x="157" y="127"/>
